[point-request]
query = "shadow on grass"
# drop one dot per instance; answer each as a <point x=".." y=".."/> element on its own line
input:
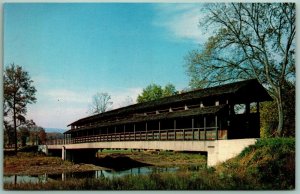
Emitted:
<point x="118" y="162"/>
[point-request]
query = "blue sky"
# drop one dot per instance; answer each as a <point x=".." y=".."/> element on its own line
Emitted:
<point x="73" y="51"/>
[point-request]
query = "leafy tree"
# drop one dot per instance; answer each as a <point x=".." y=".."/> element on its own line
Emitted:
<point x="251" y="40"/>
<point x="100" y="103"/>
<point x="269" y="114"/>
<point x="151" y="92"/>
<point x="42" y="136"/>
<point x="18" y="92"/>
<point x="169" y="90"/>
<point x="36" y="134"/>
<point x="154" y="92"/>
<point x="23" y="135"/>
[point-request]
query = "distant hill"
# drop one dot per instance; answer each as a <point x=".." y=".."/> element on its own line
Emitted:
<point x="54" y="130"/>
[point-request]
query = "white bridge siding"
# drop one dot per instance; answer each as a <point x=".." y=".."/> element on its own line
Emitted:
<point x="217" y="150"/>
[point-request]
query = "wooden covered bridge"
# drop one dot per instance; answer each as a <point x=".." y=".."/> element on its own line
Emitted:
<point x="220" y="120"/>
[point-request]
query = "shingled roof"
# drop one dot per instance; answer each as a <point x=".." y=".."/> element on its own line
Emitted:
<point x="160" y="116"/>
<point x="244" y="88"/>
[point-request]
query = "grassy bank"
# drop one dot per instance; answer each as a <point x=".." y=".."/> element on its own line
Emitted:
<point x="33" y="163"/>
<point x="270" y="164"/>
<point x="160" y="159"/>
<point x="267" y="165"/>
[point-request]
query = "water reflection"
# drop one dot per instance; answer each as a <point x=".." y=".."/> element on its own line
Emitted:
<point x="25" y="178"/>
<point x="89" y="174"/>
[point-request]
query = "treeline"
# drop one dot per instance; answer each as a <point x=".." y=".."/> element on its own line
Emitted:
<point x="27" y="134"/>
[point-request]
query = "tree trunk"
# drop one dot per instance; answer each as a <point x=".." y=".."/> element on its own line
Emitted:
<point x="15" y="130"/>
<point x="280" y="113"/>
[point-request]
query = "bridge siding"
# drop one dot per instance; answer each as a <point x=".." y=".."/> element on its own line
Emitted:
<point x="217" y="151"/>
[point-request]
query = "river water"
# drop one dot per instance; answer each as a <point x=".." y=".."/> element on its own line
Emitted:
<point x="90" y="174"/>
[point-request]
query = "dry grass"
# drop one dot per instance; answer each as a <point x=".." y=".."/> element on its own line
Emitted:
<point x="33" y="163"/>
<point x="267" y="165"/>
<point x="162" y="158"/>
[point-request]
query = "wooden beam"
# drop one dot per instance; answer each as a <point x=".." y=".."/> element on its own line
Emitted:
<point x="216" y="120"/>
<point x="204" y="122"/>
<point x="124" y="132"/>
<point x="174" y="129"/>
<point x="193" y="133"/>
<point x="134" y="131"/>
<point x="146" y="131"/>
<point x="159" y="130"/>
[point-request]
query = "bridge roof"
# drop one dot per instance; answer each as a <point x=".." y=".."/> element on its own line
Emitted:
<point x="161" y="116"/>
<point x="240" y="92"/>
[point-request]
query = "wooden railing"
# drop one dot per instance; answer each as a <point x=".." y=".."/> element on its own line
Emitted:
<point x="157" y="135"/>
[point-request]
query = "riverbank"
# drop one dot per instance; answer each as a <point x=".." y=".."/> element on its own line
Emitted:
<point x="267" y="165"/>
<point x="155" y="158"/>
<point x="34" y="164"/>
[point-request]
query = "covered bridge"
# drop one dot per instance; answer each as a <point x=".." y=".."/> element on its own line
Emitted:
<point x="229" y="111"/>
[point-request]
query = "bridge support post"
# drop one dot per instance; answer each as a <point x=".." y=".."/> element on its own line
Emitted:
<point x="146" y="131"/>
<point x="134" y="131"/>
<point x="63" y="153"/>
<point x="174" y="129"/>
<point x="216" y="120"/>
<point x="159" y="130"/>
<point x="204" y="128"/>
<point x="193" y="133"/>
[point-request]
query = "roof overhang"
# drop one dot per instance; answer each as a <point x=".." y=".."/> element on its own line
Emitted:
<point x="160" y="116"/>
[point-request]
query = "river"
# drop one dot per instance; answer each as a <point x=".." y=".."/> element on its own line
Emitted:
<point x="88" y="174"/>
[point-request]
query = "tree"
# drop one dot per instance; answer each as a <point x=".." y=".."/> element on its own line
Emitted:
<point x="128" y="101"/>
<point x="151" y="92"/>
<point x="269" y="112"/>
<point x="154" y="92"/>
<point x="42" y="136"/>
<point x="23" y="135"/>
<point x="18" y="92"/>
<point x="251" y="40"/>
<point x="100" y="103"/>
<point x="24" y="131"/>
<point x="36" y="134"/>
<point x="169" y="90"/>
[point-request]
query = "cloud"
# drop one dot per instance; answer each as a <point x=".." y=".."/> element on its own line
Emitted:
<point x="181" y="21"/>
<point x="69" y="96"/>
<point x="119" y="97"/>
<point x="49" y="116"/>
<point x="56" y="108"/>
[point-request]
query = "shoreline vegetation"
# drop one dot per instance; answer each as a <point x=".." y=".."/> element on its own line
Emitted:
<point x="267" y="165"/>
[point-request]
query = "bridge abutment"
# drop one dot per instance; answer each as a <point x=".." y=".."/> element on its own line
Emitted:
<point x="79" y="155"/>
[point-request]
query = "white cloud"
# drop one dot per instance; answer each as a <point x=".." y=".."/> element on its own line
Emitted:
<point x="69" y="96"/>
<point x="57" y="108"/>
<point x="55" y="116"/>
<point x="182" y="21"/>
<point x="119" y="97"/>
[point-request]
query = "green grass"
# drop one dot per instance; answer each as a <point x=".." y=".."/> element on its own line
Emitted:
<point x="270" y="163"/>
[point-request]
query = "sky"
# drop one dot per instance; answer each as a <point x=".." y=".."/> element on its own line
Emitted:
<point x="73" y="51"/>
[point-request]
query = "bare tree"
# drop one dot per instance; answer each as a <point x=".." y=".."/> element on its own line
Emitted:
<point x="100" y="103"/>
<point x="251" y="40"/>
<point x="128" y="101"/>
